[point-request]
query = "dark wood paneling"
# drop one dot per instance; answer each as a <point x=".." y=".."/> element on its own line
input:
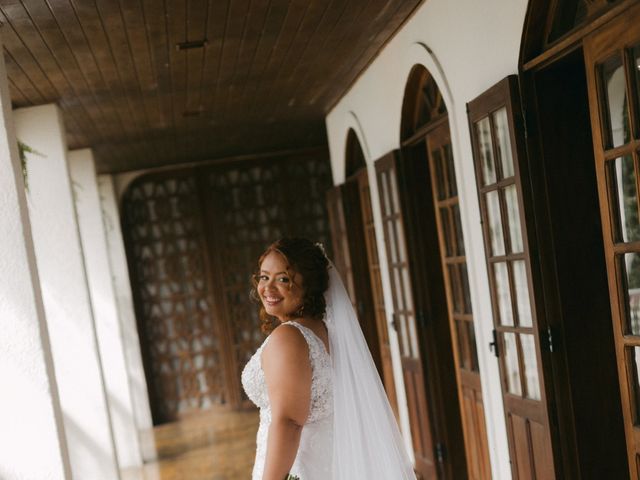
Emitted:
<point x="268" y="74"/>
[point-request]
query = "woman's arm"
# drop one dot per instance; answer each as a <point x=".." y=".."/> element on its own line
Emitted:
<point x="287" y="371"/>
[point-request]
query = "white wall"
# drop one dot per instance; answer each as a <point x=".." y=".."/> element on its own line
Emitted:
<point x="32" y="439"/>
<point x="65" y="292"/>
<point x="103" y="300"/>
<point x="467" y="45"/>
<point x="124" y="300"/>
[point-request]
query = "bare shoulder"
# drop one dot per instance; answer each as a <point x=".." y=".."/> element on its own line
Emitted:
<point x="286" y="343"/>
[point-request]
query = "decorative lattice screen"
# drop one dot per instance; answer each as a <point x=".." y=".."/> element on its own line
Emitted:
<point x="193" y="238"/>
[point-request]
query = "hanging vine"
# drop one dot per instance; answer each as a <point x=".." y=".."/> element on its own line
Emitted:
<point x="23" y="149"/>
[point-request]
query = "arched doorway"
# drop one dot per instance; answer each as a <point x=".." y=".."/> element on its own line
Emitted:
<point x="352" y="227"/>
<point x="426" y="138"/>
<point x="419" y="294"/>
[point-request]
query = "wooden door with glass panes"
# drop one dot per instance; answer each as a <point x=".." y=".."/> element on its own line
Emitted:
<point x="347" y="233"/>
<point x="495" y="123"/>
<point x="340" y="242"/>
<point x="612" y="58"/>
<point x="404" y="318"/>
<point x="379" y="311"/>
<point x="359" y="263"/>
<point x="454" y="266"/>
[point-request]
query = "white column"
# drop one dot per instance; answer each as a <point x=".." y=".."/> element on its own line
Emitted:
<point x="105" y="310"/>
<point x="32" y="442"/>
<point x="66" y="296"/>
<point x="126" y="312"/>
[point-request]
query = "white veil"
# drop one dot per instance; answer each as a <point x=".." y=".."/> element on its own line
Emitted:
<point x="367" y="441"/>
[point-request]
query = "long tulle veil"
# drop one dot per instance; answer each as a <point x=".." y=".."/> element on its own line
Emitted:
<point x="367" y="441"/>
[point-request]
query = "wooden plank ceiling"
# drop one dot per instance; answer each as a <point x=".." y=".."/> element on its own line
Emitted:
<point x="130" y="88"/>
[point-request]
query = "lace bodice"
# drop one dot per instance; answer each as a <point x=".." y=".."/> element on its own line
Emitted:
<point x="313" y="460"/>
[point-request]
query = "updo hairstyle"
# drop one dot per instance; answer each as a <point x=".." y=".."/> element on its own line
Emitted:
<point x="307" y="259"/>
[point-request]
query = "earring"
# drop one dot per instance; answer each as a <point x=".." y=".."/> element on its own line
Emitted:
<point x="298" y="313"/>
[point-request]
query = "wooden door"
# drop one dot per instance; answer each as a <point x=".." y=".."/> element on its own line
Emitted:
<point x="404" y="319"/>
<point x="183" y="338"/>
<point x="454" y="266"/>
<point x="347" y="231"/>
<point x="339" y="239"/>
<point x="363" y="301"/>
<point x="612" y="58"/>
<point x="495" y="123"/>
<point x="377" y="295"/>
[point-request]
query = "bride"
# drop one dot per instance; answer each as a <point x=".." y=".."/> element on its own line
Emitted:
<point x="323" y="411"/>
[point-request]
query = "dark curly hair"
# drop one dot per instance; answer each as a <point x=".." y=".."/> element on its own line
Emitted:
<point x="308" y="259"/>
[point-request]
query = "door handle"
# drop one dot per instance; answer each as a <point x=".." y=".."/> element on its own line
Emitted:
<point x="493" y="346"/>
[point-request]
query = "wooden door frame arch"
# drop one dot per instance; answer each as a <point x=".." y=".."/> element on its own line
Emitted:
<point x="413" y="106"/>
<point x="354" y="158"/>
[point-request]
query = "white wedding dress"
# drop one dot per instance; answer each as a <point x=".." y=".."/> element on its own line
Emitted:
<point x="314" y="457"/>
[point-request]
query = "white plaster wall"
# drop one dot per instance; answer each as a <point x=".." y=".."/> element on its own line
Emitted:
<point x="65" y="293"/>
<point x="124" y="300"/>
<point x="103" y="300"/>
<point x="32" y="441"/>
<point x="467" y="45"/>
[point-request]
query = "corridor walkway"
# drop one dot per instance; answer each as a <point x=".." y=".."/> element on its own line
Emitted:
<point x="217" y="445"/>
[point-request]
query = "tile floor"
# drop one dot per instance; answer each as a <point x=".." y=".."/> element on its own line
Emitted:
<point x="216" y="445"/>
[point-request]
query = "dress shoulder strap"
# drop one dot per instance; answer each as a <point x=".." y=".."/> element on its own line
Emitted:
<point x="316" y="346"/>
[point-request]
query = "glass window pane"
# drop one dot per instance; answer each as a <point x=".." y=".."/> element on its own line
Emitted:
<point x="512" y="370"/>
<point x="385" y="193"/>
<point x="391" y="238"/>
<point x="436" y="157"/>
<point x="503" y="293"/>
<point x="473" y="351"/>
<point x="463" y="353"/>
<point x="630" y="265"/>
<point x="633" y="359"/>
<point x="483" y="129"/>
<point x="522" y="293"/>
<point x="402" y="252"/>
<point x="451" y="172"/>
<point x="404" y="335"/>
<point x="395" y="200"/>
<point x="501" y="124"/>
<point x="415" y="353"/>
<point x="408" y="298"/>
<point x="445" y="221"/>
<point x="455" y="210"/>
<point x="623" y="179"/>
<point x="513" y="213"/>
<point x="615" y="102"/>
<point x="454" y="282"/>
<point x="530" y="366"/>
<point x="464" y="285"/>
<point x="567" y="15"/>
<point x="495" y="223"/>
<point x="399" y="289"/>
